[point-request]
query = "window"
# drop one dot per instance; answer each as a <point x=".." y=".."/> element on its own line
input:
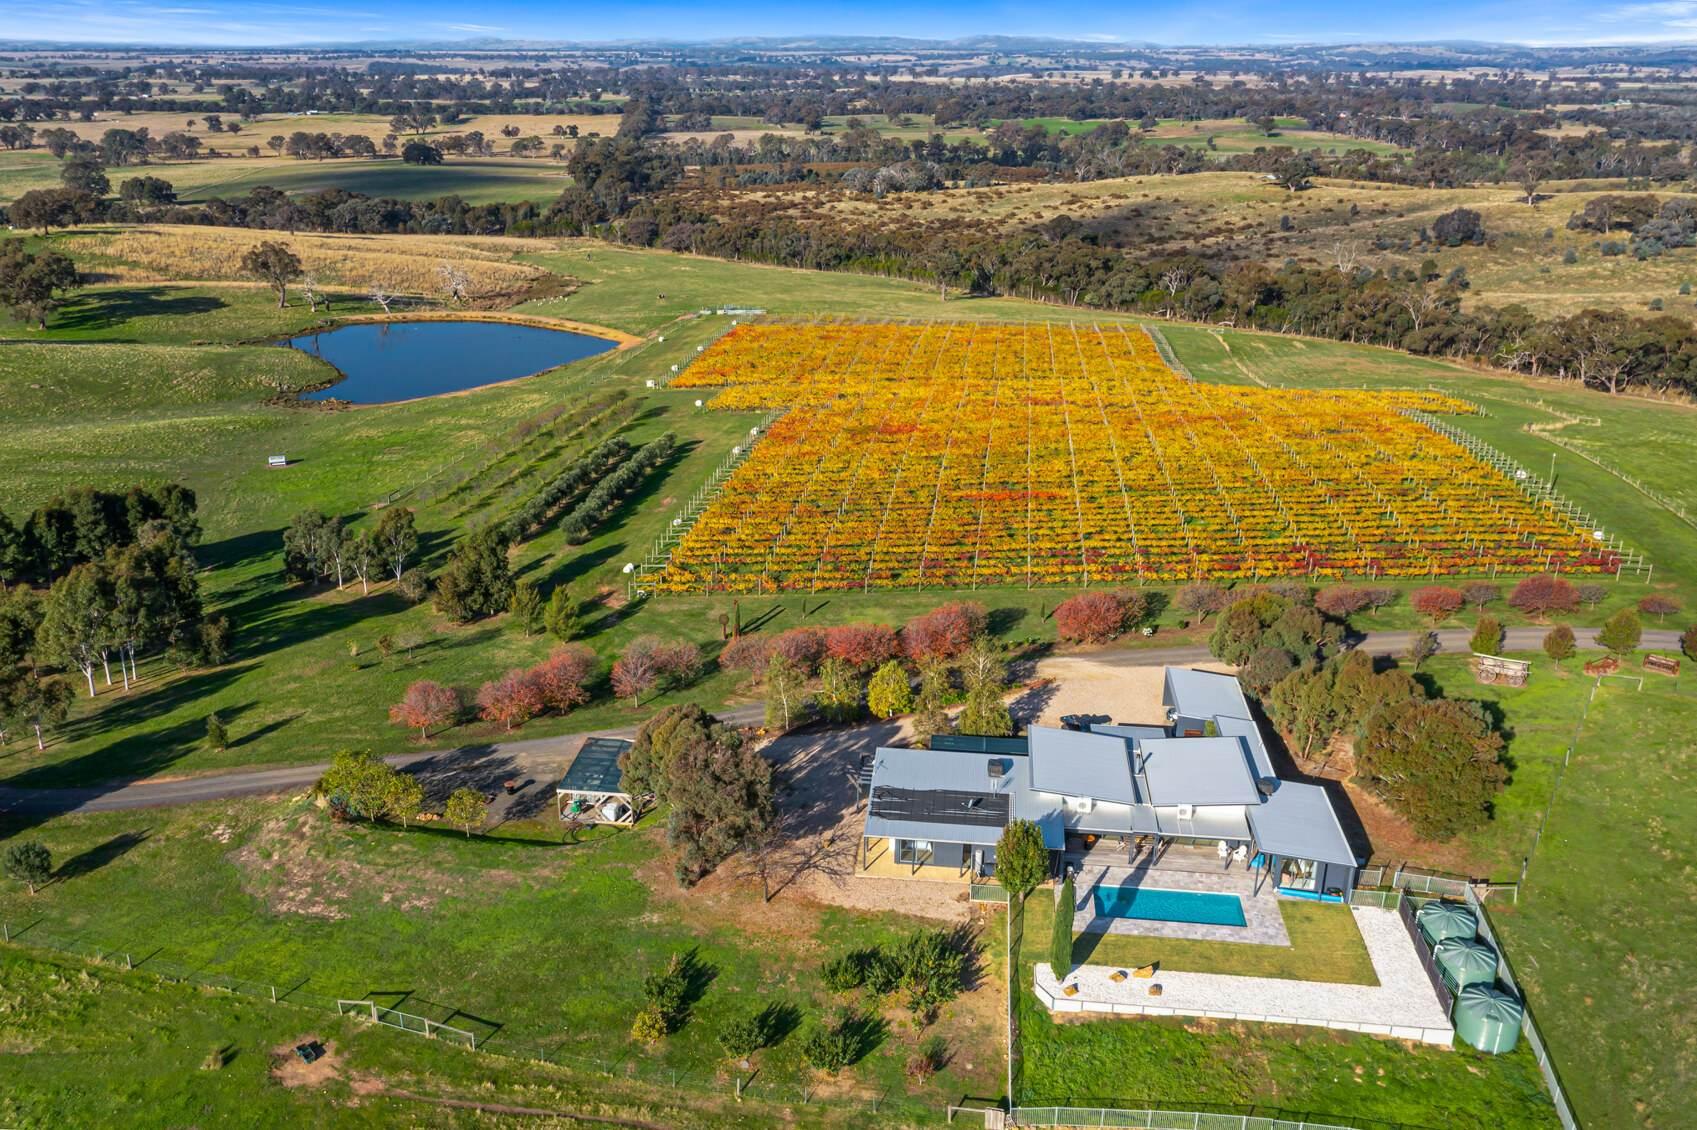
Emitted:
<point x="913" y="852"/>
<point x="1299" y="875"/>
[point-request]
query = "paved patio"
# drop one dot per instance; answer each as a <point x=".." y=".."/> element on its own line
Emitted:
<point x="1263" y="924"/>
<point x="1402" y="1005"/>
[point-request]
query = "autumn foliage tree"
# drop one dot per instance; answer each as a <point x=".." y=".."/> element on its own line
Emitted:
<point x="1437" y="602"/>
<point x="1341" y="601"/>
<point x="1660" y="605"/>
<point x="862" y="646"/>
<point x="1543" y="594"/>
<point x="1096" y="617"/>
<point x="562" y="680"/>
<point x="945" y="631"/>
<point x="637" y="669"/>
<point x="512" y="700"/>
<point x="426" y="706"/>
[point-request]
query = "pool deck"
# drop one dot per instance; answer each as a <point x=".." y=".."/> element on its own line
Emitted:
<point x="1402" y="1005"/>
<point x="1263" y="924"/>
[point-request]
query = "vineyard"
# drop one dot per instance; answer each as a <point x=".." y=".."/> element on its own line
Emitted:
<point x="956" y="455"/>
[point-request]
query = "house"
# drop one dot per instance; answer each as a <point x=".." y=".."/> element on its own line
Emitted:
<point x="1203" y="778"/>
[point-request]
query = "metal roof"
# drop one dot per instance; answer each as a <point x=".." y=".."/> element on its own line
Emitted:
<point x="1117" y="730"/>
<point x="1198" y="771"/>
<point x="1205" y="694"/>
<point x="1297" y="822"/>
<point x="1075" y="763"/>
<point x="1246" y="729"/>
<point x="902" y="775"/>
<point x="595" y="769"/>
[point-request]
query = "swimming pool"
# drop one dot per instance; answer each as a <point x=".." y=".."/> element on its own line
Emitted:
<point x="1162" y="905"/>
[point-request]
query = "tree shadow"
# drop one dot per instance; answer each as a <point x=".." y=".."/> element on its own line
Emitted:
<point x="865" y="1032"/>
<point x="100" y="855"/>
<point x="778" y="1021"/>
<point x="102" y="309"/>
<point x="697" y="976"/>
<point x="1001" y="621"/>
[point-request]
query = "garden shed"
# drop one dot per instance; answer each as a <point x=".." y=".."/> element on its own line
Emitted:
<point x="593" y="788"/>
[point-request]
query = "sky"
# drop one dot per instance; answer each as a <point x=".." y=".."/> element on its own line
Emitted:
<point x="1175" y="22"/>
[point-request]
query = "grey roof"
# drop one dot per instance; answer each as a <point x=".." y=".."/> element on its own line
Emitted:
<point x="975" y="743"/>
<point x="1205" y="694"/>
<point x="1246" y="729"/>
<point x="1075" y="763"/>
<point x="595" y="769"/>
<point x="923" y="794"/>
<point x="1198" y="771"/>
<point x="1297" y="822"/>
<point x="1118" y="730"/>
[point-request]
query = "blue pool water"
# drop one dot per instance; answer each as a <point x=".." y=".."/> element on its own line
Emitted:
<point x="388" y="361"/>
<point x="1168" y="906"/>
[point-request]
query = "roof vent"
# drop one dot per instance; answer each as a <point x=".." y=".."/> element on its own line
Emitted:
<point x="995" y="768"/>
<point x="1267" y="786"/>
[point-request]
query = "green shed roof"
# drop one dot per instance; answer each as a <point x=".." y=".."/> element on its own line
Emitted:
<point x="596" y="767"/>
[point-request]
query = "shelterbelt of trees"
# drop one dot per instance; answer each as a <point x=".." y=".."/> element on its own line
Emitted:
<point x="1063" y="261"/>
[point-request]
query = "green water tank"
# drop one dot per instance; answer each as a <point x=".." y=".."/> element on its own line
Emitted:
<point x="1439" y="920"/>
<point x="1464" y="962"/>
<point x="1488" y="1018"/>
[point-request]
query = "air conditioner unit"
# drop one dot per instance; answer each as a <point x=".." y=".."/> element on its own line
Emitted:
<point x="1084" y="803"/>
<point x="1186" y="811"/>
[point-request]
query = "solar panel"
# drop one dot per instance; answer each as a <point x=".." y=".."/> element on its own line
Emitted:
<point x="941" y="806"/>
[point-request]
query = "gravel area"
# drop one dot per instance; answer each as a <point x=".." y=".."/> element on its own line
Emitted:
<point x="1402" y="1005"/>
<point x="1127" y="694"/>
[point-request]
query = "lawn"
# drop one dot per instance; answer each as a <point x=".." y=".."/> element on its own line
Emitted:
<point x="1324" y="946"/>
<point x="538" y="948"/>
<point x="1269" y="1070"/>
<point x="1601" y="938"/>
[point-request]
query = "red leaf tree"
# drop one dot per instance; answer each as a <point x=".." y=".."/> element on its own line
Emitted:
<point x="563" y="678"/>
<point x="862" y="645"/>
<point x="945" y="631"/>
<point x="746" y="653"/>
<point x="426" y="705"/>
<point x="511" y="700"/>
<point x="1659" y="605"/>
<point x="1340" y="601"/>
<point x="679" y="662"/>
<point x="1090" y="617"/>
<point x="1436" y="601"/>
<point x="637" y="669"/>
<point x="804" y="647"/>
<point x="1543" y="594"/>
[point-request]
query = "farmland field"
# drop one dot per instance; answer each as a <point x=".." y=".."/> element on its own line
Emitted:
<point x="956" y="456"/>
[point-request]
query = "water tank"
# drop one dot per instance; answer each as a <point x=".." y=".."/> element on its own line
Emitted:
<point x="1464" y="962"/>
<point x="1488" y="1018"/>
<point x="1439" y="920"/>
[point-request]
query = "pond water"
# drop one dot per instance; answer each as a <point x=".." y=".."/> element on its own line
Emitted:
<point x="388" y="361"/>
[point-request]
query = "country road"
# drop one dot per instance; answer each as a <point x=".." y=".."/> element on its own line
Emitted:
<point x="548" y="755"/>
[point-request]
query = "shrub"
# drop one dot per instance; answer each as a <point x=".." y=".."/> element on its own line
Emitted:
<point x="649" y="1027"/>
<point x="1543" y="593"/>
<point x="882" y="974"/>
<point x="1436" y="601"/>
<point x="1341" y="601"/>
<point x="927" y="1059"/>
<point x="845" y="972"/>
<point x="1060" y="937"/>
<point x="932" y="971"/>
<point x="1487" y="637"/>
<point x="1570" y="257"/>
<point x="665" y="990"/>
<point x="1090" y="617"/>
<point x="1659" y="605"/>
<point x="945" y="631"/>
<point x="830" y="1046"/>
<point x="1688" y="642"/>
<point x="217" y="734"/>
<point x="744" y="1035"/>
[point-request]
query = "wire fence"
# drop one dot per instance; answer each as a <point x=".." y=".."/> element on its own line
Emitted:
<point x="1158" y="1119"/>
<point x="631" y="1064"/>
